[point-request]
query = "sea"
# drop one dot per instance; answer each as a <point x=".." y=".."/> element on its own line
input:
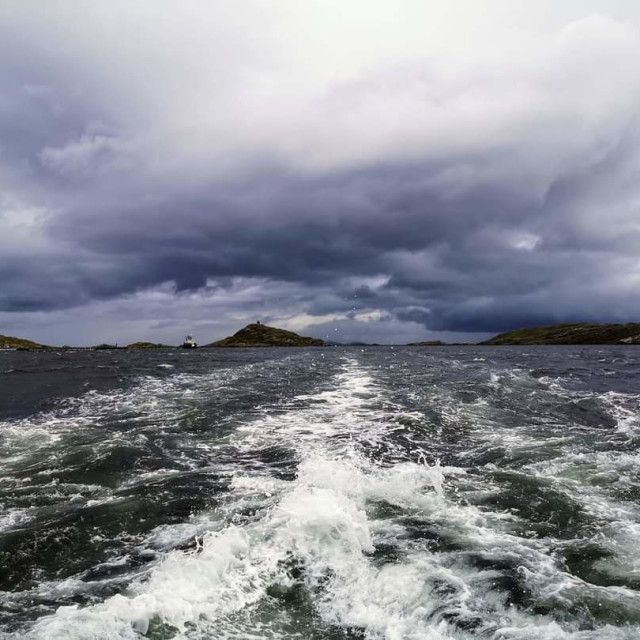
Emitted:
<point x="340" y="493"/>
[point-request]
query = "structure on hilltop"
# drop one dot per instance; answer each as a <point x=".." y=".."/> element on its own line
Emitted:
<point x="261" y="335"/>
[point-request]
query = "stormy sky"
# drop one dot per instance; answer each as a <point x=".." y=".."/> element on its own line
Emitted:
<point x="370" y="170"/>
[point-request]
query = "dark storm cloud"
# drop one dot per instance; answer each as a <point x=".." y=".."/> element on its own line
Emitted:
<point x="504" y="197"/>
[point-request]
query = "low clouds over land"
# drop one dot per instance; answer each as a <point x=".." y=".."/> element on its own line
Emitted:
<point x="385" y="171"/>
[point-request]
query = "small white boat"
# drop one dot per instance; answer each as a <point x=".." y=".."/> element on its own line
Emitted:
<point x="189" y="342"/>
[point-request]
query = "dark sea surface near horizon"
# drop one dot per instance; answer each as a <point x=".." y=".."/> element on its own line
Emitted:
<point x="340" y="493"/>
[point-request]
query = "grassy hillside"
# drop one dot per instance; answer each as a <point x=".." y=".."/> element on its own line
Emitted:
<point x="582" y="333"/>
<point x="9" y="342"/>
<point x="260" y="335"/>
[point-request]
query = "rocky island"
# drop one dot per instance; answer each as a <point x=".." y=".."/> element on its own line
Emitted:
<point x="581" y="333"/>
<point x="261" y="335"/>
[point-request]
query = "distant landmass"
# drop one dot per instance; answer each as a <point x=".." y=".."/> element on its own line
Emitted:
<point x="261" y="335"/>
<point x="148" y="345"/>
<point x="333" y="343"/>
<point x="21" y="344"/>
<point x="582" y="333"/>
<point x="9" y="342"/>
<point x="133" y="345"/>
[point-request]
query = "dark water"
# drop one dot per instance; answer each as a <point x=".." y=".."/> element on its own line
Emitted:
<point x="336" y="493"/>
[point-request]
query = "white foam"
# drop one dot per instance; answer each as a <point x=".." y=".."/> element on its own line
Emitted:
<point x="322" y="522"/>
<point x="625" y="408"/>
<point x="14" y="518"/>
<point x="156" y="401"/>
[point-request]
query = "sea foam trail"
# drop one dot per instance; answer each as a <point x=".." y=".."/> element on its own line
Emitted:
<point x="319" y="519"/>
<point x="450" y="568"/>
<point x="320" y="524"/>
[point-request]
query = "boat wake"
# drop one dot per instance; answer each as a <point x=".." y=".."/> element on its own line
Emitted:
<point x="330" y="530"/>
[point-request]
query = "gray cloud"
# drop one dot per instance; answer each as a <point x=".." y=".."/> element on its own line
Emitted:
<point x="411" y="195"/>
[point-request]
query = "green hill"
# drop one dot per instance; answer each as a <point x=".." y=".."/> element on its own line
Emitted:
<point x="582" y="333"/>
<point x="147" y="345"/>
<point x="260" y="335"/>
<point x="9" y="342"/>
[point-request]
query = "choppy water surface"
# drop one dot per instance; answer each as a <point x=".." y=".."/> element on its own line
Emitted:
<point x="336" y="493"/>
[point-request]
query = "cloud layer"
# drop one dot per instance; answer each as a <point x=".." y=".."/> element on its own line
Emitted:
<point x="170" y="167"/>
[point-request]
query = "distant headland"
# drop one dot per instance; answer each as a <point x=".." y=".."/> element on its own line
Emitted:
<point x="9" y="342"/>
<point x="262" y="335"/>
<point x="581" y="333"/>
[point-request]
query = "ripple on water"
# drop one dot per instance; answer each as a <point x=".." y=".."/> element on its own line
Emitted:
<point x="474" y="502"/>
